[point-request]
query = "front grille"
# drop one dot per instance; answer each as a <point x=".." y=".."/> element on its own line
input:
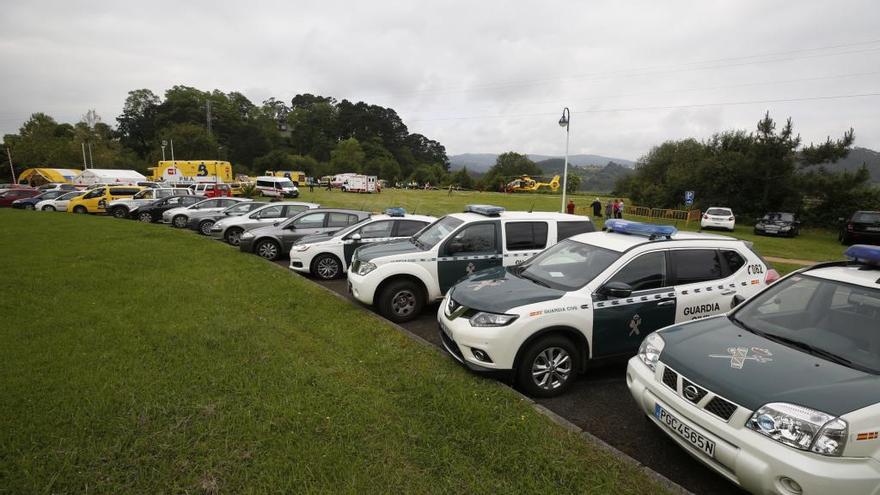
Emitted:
<point x="689" y="394"/>
<point x="670" y="378"/>
<point x="451" y="346"/>
<point x="721" y="408"/>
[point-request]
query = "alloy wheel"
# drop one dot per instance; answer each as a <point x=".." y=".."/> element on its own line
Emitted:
<point x="327" y="268"/>
<point x="551" y="368"/>
<point x="268" y="250"/>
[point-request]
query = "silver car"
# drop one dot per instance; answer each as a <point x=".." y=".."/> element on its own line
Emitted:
<point x="204" y="221"/>
<point x="179" y="217"/>
<point x="230" y="229"/>
<point x="275" y="240"/>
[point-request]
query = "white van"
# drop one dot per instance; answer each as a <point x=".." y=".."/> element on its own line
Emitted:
<point x="280" y="187"/>
<point x="359" y="184"/>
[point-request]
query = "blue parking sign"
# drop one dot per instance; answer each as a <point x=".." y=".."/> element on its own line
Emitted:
<point x="688" y="198"/>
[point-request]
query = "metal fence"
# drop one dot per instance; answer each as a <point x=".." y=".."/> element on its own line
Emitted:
<point x="644" y="212"/>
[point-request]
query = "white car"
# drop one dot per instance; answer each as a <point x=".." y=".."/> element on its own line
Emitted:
<point x="329" y="256"/>
<point x="400" y="277"/>
<point x="593" y="297"/>
<point x="278" y="187"/>
<point x="230" y="229"/>
<point x="179" y="217"/>
<point x="59" y="203"/>
<point x="782" y="394"/>
<point x="718" y="218"/>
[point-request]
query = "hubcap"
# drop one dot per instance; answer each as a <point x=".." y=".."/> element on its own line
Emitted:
<point x="206" y="228"/>
<point x="48" y="208"/>
<point x="234" y="237"/>
<point x="327" y="268"/>
<point x="146" y="217"/>
<point x="179" y="222"/>
<point x="551" y="368"/>
<point x="403" y="302"/>
<point x="118" y="213"/>
<point x="268" y="250"/>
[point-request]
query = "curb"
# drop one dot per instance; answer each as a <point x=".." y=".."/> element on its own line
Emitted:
<point x="665" y="482"/>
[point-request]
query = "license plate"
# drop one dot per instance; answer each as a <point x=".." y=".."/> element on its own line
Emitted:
<point x="692" y="436"/>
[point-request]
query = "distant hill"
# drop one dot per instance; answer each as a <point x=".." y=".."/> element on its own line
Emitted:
<point x="593" y="178"/>
<point x="854" y="161"/>
<point x="481" y="162"/>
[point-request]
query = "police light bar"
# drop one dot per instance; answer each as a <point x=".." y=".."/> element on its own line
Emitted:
<point x="395" y="211"/>
<point x="649" y="230"/>
<point x="863" y="253"/>
<point x="487" y="210"/>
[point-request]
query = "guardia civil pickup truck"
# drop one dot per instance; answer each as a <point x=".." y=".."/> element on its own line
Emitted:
<point x="593" y="298"/>
<point x="781" y="395"/>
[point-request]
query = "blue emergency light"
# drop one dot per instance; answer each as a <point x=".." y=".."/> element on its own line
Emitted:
<point x="487" y="210"/>
<point x="650" y="230"/>
<point x="863" y="253"/>
<point x="396" y="211"/>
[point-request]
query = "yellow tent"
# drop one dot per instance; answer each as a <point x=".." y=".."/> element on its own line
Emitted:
<point x="39" y="176"/>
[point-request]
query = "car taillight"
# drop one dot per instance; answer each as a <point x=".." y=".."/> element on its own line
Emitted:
<point x="772" y="276"/>
<point x="849" y="227"/>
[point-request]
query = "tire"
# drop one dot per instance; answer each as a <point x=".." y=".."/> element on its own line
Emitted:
<point x="267" y="249"/>
<point x="536" y="378"/>
<point x="145" y="217"/>
<point x="233" y="236"/>
<point x="401" y="301"/>
<point x="205" y="227"/>
<point x="326" y="267"/>
<point x="179" y="221"/>
<point x="80" y="209"/>
<point x="119" y="212"/>
<point x="48" y="208"/>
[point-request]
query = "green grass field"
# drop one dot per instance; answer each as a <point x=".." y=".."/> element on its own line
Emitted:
<point x="142" y="359"/>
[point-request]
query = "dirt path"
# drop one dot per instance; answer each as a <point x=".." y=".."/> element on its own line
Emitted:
<point x="790" y="261"/>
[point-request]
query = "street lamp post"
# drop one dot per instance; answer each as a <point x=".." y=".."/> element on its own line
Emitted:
<point x="564" y="122"/>
<point x="164" y="143"/>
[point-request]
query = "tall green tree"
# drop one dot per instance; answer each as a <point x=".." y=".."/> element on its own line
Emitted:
<point x="507" y="166"/>
<point x="347" y="157"/>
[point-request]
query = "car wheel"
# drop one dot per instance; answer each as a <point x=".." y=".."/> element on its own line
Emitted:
<point x="179" y="221"/>
<point x="326" y="267"/>
<point x="48" y="208"/>
<point x="146" y="217"/>
<point x="233" y="236"/>
<point x="119" y="212"/>
<point x="401" y="301"/>
<point x="548" y="367"/>
<point x="80" y="209"/>
<point x="268" y="249"/>
<point x="205" y="227"/>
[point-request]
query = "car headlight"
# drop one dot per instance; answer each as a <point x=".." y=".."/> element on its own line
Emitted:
<point x="801" y="427"/>
<point x="365" y="267"/>
<point x="785" y="228"/>
<point x="650" y="350"/>
<point x="483" y="319"/>
<point x="247" y="235"/>
<point x="301" y="248"/>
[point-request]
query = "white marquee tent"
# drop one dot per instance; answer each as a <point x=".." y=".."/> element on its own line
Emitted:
<point x="108" y="176"/>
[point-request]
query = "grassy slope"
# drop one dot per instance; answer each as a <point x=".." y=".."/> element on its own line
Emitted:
<point x="138" y="358"/>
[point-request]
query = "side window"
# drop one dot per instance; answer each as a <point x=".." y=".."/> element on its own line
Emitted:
<point x="163" y="193"/>
<point x="477" y="238"/>
<point x="525" y="235"/>
<point x="312" y="221"/>
<point x="376" y="230"/>
<point x="291" y="210"/>
<point x="696" y="265"/>
<point x="648" y="271"/>
<point x="270" y="212"/>
<point x="564" y="230"/>
<point x="96" y="193"/>
<point x="210" y="204"/>
<point x="189" y="200"/>
<point x="734" y="261"/>
<point x="340" y="219"/>
<point x="406" y="228"/>
<point x="226" y="202"/>
<point x="264" y="183"/>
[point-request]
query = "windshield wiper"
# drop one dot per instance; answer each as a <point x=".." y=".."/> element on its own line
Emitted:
<point x="816" y="351"/>
<point x="533" y="279"/>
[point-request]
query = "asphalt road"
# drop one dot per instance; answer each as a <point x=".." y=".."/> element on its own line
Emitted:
<point x="600" y="403"/>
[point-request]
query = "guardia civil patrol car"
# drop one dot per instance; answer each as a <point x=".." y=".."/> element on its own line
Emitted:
<point x="400" y="277"/>
<point x="591" y="297"/>
<point x="781" y="395"/>
<point x="328" y="256"/>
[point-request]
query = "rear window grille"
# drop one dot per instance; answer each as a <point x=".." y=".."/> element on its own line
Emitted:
<point x="721" y="408"/>
<point x="670" y="378"/>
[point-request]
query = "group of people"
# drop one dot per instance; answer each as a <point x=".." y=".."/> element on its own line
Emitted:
<point x="613" y="209"/>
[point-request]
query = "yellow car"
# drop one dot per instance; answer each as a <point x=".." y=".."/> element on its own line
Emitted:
<point x="96" y="200"/>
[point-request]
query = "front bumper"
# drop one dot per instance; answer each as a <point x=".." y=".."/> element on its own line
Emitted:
<point x="864" y="237"/>
<point x="747" y="458"/>
<point x="772" y="231"/>
<point x="363" y="287"/>
<point x="298" y="263"/>
<point x="460" y="339"/>
<point x="716" y="224"/>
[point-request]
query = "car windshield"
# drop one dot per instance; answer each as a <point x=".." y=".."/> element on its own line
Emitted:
<point x="830" y="319"/>
<point x="867" y="217"/>
<point x="721" y="212"/>
<point x="436" y="232"/>
<point x="568" y="265"/>
<point x="285" y="183"/>
<point x="779" y="217"/>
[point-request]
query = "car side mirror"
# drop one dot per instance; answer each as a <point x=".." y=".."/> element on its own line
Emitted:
<point x="275" y="224"/>
<point x="737" y="300"/>
<point x="616" y="290"/>
<point x="355" y="237"/>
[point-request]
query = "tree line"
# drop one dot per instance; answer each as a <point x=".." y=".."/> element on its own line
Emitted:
<point x="753" y="173"/>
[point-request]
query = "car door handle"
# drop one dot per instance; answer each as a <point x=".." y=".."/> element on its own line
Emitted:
<point x="728" y="292"/>
<point x="666" y="303"/>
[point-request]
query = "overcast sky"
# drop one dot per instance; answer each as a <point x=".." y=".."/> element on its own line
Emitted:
<point x="478" y="76"/>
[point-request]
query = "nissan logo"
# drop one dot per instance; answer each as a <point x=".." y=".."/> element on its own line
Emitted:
<point x="691" y="393"/>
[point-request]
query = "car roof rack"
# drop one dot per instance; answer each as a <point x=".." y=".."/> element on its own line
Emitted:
<point x="395" y="211"/>
<point x="650" y="230"/>
<point x="485" y="210"/>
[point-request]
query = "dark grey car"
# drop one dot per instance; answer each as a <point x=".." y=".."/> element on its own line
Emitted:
<point x="274" y="241"/>
<point x="202" y="224"/>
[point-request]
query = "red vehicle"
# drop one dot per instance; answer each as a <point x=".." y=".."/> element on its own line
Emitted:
<point x="212" y="190"/>
<point x="10" y="195"/>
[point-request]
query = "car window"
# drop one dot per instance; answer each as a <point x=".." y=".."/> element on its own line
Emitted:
<point x="376" y="230"/>
<point x="95" y="193"/>
<point x="647" y="271"/>
<point x="436" y="232"/>
<point x="733" y="259"/>
<point x="341" y="219"/>
<point x="123" y="191"/>
<point x="189" y="200"/>
<point x="568" y="265"/>
<point x="525" y="235"/>
<point x="721" y="212"/>
<point x="564" y="230"/>
<point x="406" y="228"/>
<point x="867" y="217"/>
<point x="475" y="238"/>
<point x="270" y="212"/>
<point x="311" y="221"/>
<point x="211" y="203"/>
<point x="696" y="265"/>
<point x="292" y="210"/>
<point x="227" y="202"/>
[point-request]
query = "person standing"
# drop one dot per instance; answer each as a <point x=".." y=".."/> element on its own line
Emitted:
<point x="620" y="209"/>
<point x="569" y="208"/>
<point x="597" y="208"/>
<point x="615" y="208"/>
<point x="609" y="209"/>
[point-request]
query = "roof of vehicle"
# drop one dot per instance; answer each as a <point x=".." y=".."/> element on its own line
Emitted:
<point x="285" y="203"/>
<point x="856" y="274"/>
<point x="622" y="242"/>
<point x="521" y="215"/>
<point x="719" y="208"/>
<point x="423" y="218"/>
